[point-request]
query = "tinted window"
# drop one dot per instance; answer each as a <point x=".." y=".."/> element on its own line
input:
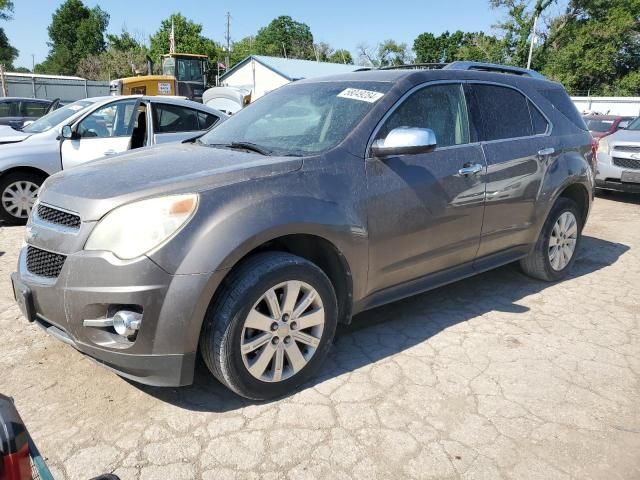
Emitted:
<point x="561" y="101"/>
<point x="440" y="108"/>
<point x="8" y="109"/>
<point x="539" y="123"/>
<point x="174" y="118"/>
<point x="498" y="112"/>
<point x="206" y="120"/>
<point x="34" y="109"/>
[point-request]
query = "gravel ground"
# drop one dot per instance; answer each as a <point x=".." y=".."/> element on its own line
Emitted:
<point x="497" y="376"/>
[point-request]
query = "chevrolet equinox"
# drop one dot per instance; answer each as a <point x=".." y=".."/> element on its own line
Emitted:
<point x="324" y="198"/>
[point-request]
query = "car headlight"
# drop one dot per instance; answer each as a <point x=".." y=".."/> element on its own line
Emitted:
<point x="603" y="145"/>
<point x="134" y="229"/>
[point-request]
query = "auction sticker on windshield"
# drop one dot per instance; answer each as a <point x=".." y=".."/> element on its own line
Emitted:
<point x="359" y="94"/>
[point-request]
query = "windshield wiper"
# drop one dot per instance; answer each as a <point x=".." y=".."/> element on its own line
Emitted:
<point x="250" y="146"/>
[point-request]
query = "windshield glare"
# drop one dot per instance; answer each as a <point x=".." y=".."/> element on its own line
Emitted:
<point x="56" y="117"/>
<point x="635" y="125"/>
<point x="300" y="119"/>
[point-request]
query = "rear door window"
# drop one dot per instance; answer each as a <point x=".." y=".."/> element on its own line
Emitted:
<point x="538" y="122"/>
<point x="498" y="113"/>
<point x="206" y="120"/>
<point x="34" y="109"/>
<point x="174" y="118"/>
<point x="8" y="109"/>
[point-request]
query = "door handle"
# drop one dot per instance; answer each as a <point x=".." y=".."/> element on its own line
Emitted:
<point x="110" y="152"/>
<point x="470" y="170"/>
<point x="545" y="152"/>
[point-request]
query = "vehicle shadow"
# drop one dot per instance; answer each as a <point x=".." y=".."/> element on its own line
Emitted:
<point x="631" y="198"/>
<point x="392" y="328"/>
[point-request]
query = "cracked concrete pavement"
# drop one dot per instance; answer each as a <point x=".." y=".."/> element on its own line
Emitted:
<point x="497" y="376"/>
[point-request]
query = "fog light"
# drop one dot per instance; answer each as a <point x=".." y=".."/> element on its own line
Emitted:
<point x="126" y="323"/>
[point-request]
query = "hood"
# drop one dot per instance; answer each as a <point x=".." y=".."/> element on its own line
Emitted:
<point x="624" y="136"/>
<point x="10" y="135"/>
<point x="94" y="189"/>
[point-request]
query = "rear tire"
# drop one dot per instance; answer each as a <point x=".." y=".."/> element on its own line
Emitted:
<point x="271" y="326"/>
<point x="18" y="192"/>
<point x="557" y="247"/>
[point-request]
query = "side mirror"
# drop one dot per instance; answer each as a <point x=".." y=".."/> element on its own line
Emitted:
<point x="68" y="133"/>
<point x="405" y="141"/>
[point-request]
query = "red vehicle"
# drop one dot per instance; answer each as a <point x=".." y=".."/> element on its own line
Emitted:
<point x="603" y="125"/>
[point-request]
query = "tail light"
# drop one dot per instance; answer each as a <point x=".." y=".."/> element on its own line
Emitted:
<point x="15" y="462"/>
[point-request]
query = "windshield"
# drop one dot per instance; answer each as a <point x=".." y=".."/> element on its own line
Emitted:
<point x="189" y="69"/>
<point x="56" y="117"/>
<point x="300" y="119"/>
<point x="597" y="125"/>
<point x="635" y="125"/>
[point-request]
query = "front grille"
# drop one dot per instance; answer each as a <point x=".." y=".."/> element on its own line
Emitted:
<point x="43" y="263"/>
<point x="53" y="215"/>
<point x="627" y="148"/>
<point x="627" y="163"/>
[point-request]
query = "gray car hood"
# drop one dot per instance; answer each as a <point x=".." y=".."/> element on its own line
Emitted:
<point x="94" y="189"/>
<point x="9" y="135"/>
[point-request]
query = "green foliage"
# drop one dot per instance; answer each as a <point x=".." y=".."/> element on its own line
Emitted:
<point x="188" y="37"/>
<point x="7" y="53"/>
<point x="241" y="50"/>
<point x="125" y="56"/>
<point x="385" y="54"/>
<point x="517" y="27"/>
<point x="448" y="47"/>
<point x="6" y="9"/>
<point x="285" y="34"/>
<point x="595" y="47"/>
<point x="341" y="56"/>
<point x="76" y="32"/>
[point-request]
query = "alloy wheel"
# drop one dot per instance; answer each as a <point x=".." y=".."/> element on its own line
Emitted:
<point x="282" y="331"/>
<point x="562" y="243"/>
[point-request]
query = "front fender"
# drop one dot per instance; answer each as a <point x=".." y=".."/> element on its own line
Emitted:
<point x="43" y="156"/>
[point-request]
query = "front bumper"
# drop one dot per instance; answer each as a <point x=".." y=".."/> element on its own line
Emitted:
<point x="609" y="176"/>
<point x="90" y="284"/>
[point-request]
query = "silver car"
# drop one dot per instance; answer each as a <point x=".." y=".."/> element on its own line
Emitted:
<point x="87" y="130"/>
<point x="619" y="160"/>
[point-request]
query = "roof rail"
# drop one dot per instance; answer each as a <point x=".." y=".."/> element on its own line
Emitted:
<point x="493" y="67"/>
<point x="417" y="66"/>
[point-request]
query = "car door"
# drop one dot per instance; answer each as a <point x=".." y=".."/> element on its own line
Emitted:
<point x="516" y="142"/>
<point x="174" y="123"/>
<point x="424" y="212"/>
<point x="105" y="131"/>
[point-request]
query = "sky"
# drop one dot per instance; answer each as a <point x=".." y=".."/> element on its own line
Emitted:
<point x="341" y="23"/>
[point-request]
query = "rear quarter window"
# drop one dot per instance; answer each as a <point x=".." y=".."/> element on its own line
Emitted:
<point x="560" y="100"/>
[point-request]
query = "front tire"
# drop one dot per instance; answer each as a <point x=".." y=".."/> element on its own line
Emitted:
<point x="271" y="327"/>
<point x="18" y="193"/>
<point x="556" y="248"/>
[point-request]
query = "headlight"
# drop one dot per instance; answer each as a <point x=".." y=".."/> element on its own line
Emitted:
<point x="134" y="229"/>
<point x="603" y="145"/>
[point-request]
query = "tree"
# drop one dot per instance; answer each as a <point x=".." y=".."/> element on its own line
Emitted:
<point x="76" y="32"/>
<point x="188" y="38"/>
<point x="125" y="56"/>
<point x="385" y="54"/>
<point x="241" y="50"/>
<point x="6" y="9"/>
<point x="341" y="56"/>
<point x="480" y="47"/>
<point x="518" y="26"/>
<point x="595" y="47"/>
<point x="7" y="53"/>
<point x="444" y="48"/>
<point x="285" y="37"/>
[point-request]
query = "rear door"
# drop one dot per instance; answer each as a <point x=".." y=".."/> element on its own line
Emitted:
<point x="105" y="131"/>
<point x="174" y="123"/>
<point x="517" y="145"/>
<point x="424" y="215"/>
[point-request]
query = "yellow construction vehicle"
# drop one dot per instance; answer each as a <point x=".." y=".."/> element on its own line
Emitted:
<point x="183" y="74"/>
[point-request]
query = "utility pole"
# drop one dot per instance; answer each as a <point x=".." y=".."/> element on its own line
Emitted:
<point x="2" y="81"/>
<point x="533" y="41"/>
<point x="227" y="38"/>
<point x="33" y="63"/>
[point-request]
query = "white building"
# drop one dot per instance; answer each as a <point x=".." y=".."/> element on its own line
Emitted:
<point x="261" y="74"/>
<point x="609" y="105"/>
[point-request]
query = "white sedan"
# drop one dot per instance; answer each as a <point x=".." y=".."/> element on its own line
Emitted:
<point x="87" y="130"/>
